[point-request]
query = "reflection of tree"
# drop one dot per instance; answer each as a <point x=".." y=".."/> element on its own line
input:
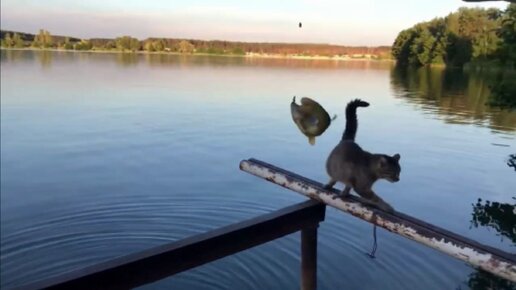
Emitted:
<point x="453" y="95"/>
<point x="45" y="58"/>
<point x="482" y="280"/>
<point x="511" y="162"/>
<point x="499" y="216"/>
<point x="14" y="55"/>
<point x="503" y="91"/>
<point x="127" y="59"/>
<point x="502" y="218"/>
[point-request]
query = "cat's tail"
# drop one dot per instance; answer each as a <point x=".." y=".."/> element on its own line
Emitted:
<point x="351" y="118"/>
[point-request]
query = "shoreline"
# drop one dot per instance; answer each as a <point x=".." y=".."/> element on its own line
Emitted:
<point x="251" y="55"/>
<point x="466" y="67"/>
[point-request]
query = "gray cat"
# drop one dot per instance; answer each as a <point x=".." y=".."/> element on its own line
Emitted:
<point x="359" y="169"/>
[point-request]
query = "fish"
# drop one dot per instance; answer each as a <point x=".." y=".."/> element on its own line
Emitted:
<point x="310" y="117"/>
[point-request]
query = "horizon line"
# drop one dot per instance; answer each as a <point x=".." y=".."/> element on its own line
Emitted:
<point x="196" y="39"/>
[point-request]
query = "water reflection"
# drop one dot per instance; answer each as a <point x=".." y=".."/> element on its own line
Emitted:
<point x="452" y="95"/>
<point x="78" y="149"/>
<point x="164" y="59"/>
<point x="495" y="215"/>
<point x="503" y="90"/>
<point x="15" y="56"/>
<point x="481" y="280"/>
<point x="232" y="61"/>
<point x="127" y="59"/>
<point x="502" y="218"/>
<point x="45" y="59"/>
<point x="464" y="97"/>
<point x="511" y="161"/>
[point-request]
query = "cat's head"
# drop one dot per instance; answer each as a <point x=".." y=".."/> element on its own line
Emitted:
<point x="388" y="167"/>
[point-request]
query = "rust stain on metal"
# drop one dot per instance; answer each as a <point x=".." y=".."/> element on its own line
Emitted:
<point x="494" y="263"/>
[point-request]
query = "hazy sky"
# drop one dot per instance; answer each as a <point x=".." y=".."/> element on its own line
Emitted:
<point x="358" y="22"/>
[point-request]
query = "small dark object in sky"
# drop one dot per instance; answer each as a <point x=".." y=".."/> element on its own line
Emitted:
<point x="300" y="24"/>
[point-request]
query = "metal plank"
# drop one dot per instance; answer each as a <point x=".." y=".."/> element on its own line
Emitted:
<point x="160" y="262"/>
<point x="490" y="259"/>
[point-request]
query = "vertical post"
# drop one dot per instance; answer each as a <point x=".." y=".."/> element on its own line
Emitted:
<point x="309" y="258"/>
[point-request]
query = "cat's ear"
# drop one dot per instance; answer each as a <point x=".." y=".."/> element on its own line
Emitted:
<point x="396" y="157"/>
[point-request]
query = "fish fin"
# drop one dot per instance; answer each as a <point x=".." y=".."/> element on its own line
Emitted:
<point x="311" y="140"/>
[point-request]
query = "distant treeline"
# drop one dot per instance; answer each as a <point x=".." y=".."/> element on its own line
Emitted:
<point x="45" y="40"/>
<point x="470" y="35"/>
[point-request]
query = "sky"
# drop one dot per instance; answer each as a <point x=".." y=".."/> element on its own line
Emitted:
<point x="358" y="22"/>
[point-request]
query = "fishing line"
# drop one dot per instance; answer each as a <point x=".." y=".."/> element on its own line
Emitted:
<point x="375" y="244"/>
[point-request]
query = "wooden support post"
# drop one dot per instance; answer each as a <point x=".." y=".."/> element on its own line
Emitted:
<point x="309" y="258"/>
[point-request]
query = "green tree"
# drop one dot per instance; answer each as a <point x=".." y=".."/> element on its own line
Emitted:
<point x="110" y="45"/>
<point x="67" y="44"/>
<point x="507" y="35"/>
<point x="83" y="45"/>
<point x="43" y="39"/>
<point x="437" y="29"/>
<point x="401" y="47"/>
<point x="127" y="43"/>
<point x="469" y="34"/>
<point x="477" y="29"/>
<point x="7" y="41"/>
<point x="18" y="41"/>
<point x="238" y="51"/>
<point x="47" y="39"/>
<point x="421" y="48"/>
<point x="154" y="45"/>
<point x="134" y="44"/>
<point x="458" y="50"/>
<point x="159" y="45"/>
<point x="213" y="50"/>
<point x="148" y="46"/>
<point x="37" y="40"/>
<point x="185" y="47"/>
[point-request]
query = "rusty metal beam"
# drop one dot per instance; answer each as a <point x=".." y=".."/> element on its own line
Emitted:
<point x="141" y="268"/>
<point x="490" y="259"/>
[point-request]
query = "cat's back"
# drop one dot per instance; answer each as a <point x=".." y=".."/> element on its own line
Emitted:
<point x="345" y="159"/>
<point x="346" y="151"/>
<point x="347" y="147"/>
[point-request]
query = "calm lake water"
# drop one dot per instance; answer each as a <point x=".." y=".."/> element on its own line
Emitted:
<point x="104" y="155"/>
